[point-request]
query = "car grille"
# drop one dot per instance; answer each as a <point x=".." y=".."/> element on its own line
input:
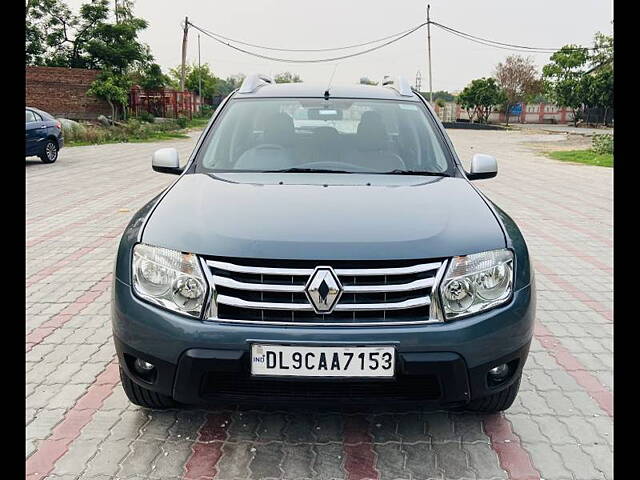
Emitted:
<point x="242" y="385"/>
<point x="374" y="293"/>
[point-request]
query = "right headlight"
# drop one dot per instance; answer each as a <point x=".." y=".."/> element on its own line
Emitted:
<point x="169" y="278"/>
<point x="477" y="282"/>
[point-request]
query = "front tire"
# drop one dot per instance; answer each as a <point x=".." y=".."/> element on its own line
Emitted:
<point x="144" y="397"/>
<point x="49" y="152"/>
<point x="496" y="402"/>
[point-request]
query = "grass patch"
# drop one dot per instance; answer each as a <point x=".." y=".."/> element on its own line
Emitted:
<point x="588" y="157"/>
<point x="152" y="138"/>
<point x="133" y="131"/>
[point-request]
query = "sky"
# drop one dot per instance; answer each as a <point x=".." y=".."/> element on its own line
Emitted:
<point x="303" y="24"/>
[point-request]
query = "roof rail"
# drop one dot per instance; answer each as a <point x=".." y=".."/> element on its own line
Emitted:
<point x="254" y="81"/>
<point x="399" y="84"/>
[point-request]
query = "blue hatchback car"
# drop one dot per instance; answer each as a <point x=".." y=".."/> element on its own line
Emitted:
<point x="43" y="135"/>
<point x="323" y="246"/>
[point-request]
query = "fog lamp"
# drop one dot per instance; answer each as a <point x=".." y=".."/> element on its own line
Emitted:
<point x="499" y="373"/>
<point x="143" y="367"/>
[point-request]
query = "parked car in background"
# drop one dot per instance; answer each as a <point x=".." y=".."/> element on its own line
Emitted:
<point x="43" y="135"/>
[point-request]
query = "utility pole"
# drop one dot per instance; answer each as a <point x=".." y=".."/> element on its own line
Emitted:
<point x="199" y="75"/>
<point x="429" y="48"/>
<point x="184" y="52"/>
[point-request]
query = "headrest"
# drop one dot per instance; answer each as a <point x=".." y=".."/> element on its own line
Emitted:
<point x="371" y="134"/>
<point x="279" y="129"/>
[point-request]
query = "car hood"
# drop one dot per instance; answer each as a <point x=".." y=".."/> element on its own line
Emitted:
<point x="323" y="217"/>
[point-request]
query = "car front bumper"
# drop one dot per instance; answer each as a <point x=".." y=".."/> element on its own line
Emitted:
<point x="200" y="362"/>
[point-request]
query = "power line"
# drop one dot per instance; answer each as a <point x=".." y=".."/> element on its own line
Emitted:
<point x="497" y="44"/>
<point x="388" y="40"/>
<point x="307" y="50"/>
<point x="318" y="60"/>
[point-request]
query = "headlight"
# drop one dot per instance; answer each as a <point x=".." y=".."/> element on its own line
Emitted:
<point x="477" y="282"/>
<point x="169" y="278"/>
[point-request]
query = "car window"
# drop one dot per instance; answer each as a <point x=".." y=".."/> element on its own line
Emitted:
<point x="30" y="116"/>
<point x="353" y="135"/>
<point x="37" y="116"/>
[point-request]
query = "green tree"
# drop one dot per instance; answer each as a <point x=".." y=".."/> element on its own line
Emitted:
<point x="518" y="79"/>
<point x="57" y="37"/>
<point x="563" y="78"/>
<point x="479" y="97"/>
<point x="150" y="78"/>
<point x="113" y="88"/>
<point x="287" y="77"/>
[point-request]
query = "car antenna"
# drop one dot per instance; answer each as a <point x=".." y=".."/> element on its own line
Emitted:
<point x="326" y="92"/>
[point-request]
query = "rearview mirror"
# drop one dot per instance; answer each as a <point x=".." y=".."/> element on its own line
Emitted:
<point x="166" y="160"/>
<point x="482" y="166"/>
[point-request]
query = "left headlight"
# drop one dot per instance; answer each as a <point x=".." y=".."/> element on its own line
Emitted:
<point x="169" y="278"/>
<point x="477" y="282"/>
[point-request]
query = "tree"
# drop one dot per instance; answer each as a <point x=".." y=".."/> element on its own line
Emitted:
<point x="563" y="78"/>
<point x="479" y="98"/>
<point x="57" y="37"/>
<point x="113" y="88"/>
<point x="518" y="79"/>
<point x="229" y="84"/>
<point x="151" y="78"/>
<point x="367" y="81"/>
<point x="287" y="77"/>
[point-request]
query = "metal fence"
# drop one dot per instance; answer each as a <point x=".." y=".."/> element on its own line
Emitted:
<point x="165" y="103"/>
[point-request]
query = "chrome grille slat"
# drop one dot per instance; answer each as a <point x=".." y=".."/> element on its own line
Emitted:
<point x="265" y="293"/>
<point x="267" y="287"/>
<point x="256" y="287"/>
<point x="232" y="267"/>
<point x="341" y="307"/>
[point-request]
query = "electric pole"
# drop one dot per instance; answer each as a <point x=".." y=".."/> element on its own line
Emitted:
<point x="429" y="49"/>
<point x="199" y="74"/>
<point x="184" y="52"/>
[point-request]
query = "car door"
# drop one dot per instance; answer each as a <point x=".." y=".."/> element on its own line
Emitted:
<point x="30" y="132"/>
<point x="35" y="132"/>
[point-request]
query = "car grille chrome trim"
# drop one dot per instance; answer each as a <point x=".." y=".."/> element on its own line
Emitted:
<point x="263" y="293"/>
<point x="232" y="267"/>
<point x="266" y="287"/>
<point x="306" y="307"/>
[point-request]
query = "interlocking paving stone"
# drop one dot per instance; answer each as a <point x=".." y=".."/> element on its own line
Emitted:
<point x="76" y="210"/>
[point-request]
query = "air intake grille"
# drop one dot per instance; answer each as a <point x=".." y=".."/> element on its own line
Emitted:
<point x="374" y="293"/>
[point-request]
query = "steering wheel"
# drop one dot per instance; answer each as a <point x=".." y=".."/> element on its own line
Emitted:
<point x="333" y="165"/>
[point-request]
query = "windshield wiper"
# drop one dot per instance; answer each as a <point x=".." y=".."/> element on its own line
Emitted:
<point x="399" y="171"/>
<point x="305" y="170"/>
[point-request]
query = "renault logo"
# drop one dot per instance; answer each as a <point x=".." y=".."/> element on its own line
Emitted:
<point x="323" y="289"/>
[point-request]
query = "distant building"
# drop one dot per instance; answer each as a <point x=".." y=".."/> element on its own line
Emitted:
<point x="529" y="113"/>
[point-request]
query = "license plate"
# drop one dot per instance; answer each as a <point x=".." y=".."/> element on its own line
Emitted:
<point x="298" y="361"/>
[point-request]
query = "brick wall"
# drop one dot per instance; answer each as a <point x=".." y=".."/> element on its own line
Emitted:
<point x="62" y="92"/>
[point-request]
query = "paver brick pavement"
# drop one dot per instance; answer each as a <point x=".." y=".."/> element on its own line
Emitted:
<point x="81" y="426"/>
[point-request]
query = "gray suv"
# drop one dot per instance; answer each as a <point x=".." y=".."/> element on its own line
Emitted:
<point x="323" y="246"/>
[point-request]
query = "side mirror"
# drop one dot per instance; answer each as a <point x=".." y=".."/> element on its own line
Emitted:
<point x="166" y="160"/>
<point x="482" y="166"/>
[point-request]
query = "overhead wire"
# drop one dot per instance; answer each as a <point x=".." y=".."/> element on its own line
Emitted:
<point x="388" y="40"/>
<point x="317" y="60"/>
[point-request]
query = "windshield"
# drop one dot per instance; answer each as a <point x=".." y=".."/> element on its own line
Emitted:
<point x="341" y="135"/>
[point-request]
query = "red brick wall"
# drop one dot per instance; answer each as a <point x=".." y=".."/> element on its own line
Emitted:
<point x="62" y="91"/>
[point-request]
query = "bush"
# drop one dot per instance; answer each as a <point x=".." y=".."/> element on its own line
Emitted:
<point x="147" y="117"/>
<point x="206" y="110"/>
<point x="602" y="143"/>
<point x="182" y="121"/>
